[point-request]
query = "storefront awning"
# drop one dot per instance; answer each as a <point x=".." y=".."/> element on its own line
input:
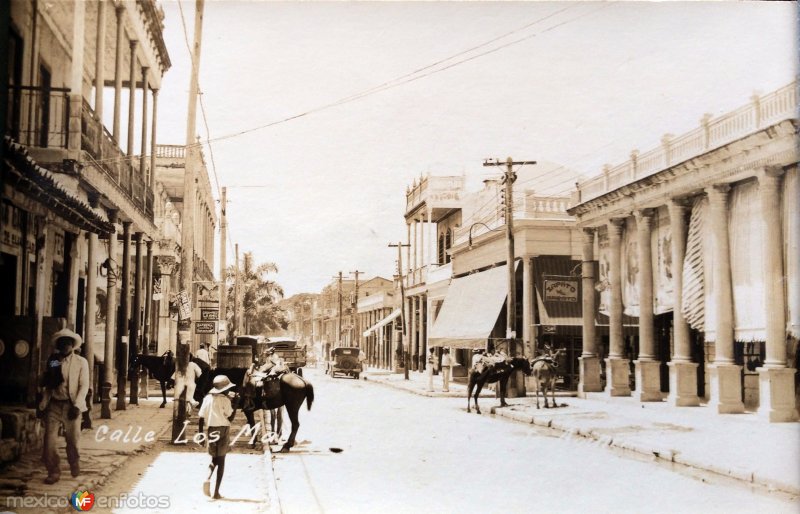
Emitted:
<point x="470" y="309"/>
<point x="382" y="323"/>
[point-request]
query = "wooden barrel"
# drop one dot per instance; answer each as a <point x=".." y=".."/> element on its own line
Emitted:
<point x="230" y="356"/>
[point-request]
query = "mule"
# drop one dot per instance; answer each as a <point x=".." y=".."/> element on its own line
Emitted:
<point x="499" y="372"/>
<point x="289" y="391"/>
<point x="545" y="372"/>
<point x="162" y="368"/>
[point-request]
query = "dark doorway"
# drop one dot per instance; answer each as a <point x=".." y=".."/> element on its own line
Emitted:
<point x="8" y="284"/>
<point x="699" y="356"/>
<point x="15" y="55"/>
<point x="664" y="346"/>
<point x="81" y="308"/>
<point x="45" y="81"/>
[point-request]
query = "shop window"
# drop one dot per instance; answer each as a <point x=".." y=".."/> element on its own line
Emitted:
<point x="448" y="243"/>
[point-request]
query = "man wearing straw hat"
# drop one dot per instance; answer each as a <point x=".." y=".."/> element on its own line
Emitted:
<point x="65" y="384"/>
<point x="219" y="412"/>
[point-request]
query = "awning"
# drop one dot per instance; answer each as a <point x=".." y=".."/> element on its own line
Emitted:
<point x="382" y="323"/>
<point x="470" y="309"/>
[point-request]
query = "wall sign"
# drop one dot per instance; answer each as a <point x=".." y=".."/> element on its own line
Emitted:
<point x="561" y="290"/>
<point x="205" y="327"/>
<point x="209" y="314"/>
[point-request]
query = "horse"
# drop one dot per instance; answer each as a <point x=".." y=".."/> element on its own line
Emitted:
<point x="162" y="368"/>
<point x="544" y="374"/>
<point x="499" y="372"/>
<point x="289" y="390"/>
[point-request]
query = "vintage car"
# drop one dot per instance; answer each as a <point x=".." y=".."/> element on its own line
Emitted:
<point x="293" y="356"/>
<point x="345" y="361"/>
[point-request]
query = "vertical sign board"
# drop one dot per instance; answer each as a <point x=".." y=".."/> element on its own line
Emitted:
<point x="184" y="306"/>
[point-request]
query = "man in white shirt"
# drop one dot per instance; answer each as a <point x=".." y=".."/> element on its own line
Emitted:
<point x="188" y="381"/>
<point x="447" y="367"/>
<point x="202" y="354"/>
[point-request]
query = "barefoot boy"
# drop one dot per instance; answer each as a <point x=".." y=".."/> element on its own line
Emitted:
<point x="219" y="412"/>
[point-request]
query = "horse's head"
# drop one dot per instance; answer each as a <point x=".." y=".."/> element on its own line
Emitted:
<point x="522" y="364"/>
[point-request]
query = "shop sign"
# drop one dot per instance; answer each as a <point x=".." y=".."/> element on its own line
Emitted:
<point x="209" y="314"/>
<point x="561" y="290"/>
<point x="184" y="306"/>
<point x="205" y="327"/>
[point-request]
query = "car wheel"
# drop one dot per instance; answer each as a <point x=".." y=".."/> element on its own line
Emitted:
<point x="356" y="376"/>
<point x="300" y="371"/>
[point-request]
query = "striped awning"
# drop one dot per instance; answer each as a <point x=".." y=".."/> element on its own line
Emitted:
<point x="693" y="294"/>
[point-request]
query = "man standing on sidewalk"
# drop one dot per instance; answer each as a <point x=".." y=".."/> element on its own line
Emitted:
<point x="447" y="367"/>
<point x="66" y="382"/>
<point x="430" y="369"/>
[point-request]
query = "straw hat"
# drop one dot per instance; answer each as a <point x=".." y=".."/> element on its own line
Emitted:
<point x="221" y="384"/>
<point x="77" y="341"/>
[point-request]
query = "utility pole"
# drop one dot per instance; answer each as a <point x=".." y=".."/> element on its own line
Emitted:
<point x="338" y="341"/>
<point x="223" y="236"/>
<point x="356" y="324"/>
<point x="511" y="305"/>
<point x="406" y="356"/>
<point x="187" y="229"/>
<point x="236" y="286"/>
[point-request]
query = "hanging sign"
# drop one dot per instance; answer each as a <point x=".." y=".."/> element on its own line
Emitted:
<point x="184" y="306"/>
<point x="561" y="290"/>
<point x="205" y="327"/>
<point x="209" y="314"/>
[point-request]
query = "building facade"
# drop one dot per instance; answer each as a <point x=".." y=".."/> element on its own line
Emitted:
<point x="699" y="239"/>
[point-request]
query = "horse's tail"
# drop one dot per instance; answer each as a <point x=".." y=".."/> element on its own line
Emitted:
<point x="309" y="394"/>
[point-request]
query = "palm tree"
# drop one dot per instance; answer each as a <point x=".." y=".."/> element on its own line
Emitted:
<point x="260" y="296"/>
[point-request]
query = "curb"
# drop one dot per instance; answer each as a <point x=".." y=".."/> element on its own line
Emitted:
<point x="274" y="506"/>
<point x="666" y="454"/>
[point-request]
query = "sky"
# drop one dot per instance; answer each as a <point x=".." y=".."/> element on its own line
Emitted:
<point x="573" y="83"/>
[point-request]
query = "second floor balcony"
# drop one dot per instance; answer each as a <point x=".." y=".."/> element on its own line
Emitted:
<point x="38" y="118"/>
<point x="435" y="193"/>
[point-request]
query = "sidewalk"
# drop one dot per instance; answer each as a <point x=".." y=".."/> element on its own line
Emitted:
<point x="99" y="455"/>
<point x="740" y="446"/>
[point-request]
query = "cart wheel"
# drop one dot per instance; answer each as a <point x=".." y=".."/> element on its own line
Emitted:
<point x="356" y="376"/>
<point x="300" y="371"/>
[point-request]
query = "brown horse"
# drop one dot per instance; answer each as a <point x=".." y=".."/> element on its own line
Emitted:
<point x="545" y="374"/>
<point x="289" y="391"/>
<point x="499" y="372"/>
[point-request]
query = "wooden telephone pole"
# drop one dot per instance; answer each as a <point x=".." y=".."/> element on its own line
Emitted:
<point x="187" y="217"/>
<point x="355" y="323"/>
<point x="223" y="236"/>
<point x="338" y="341"/>
<point x="406" y="355"/>
<point x="509" y="177"/>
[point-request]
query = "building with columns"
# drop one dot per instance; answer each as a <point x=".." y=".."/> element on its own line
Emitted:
<point x="377" y="311"/>
<point x="470" y="311"/>
<point x="433" y="213"/>
<point x="78" y="188"/>
<point x="699" y="239"/>
<point x="169" y="175"/>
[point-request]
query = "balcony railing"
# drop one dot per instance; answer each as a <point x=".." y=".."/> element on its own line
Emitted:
<point x="39" y="116"/>
<point x="434" y="188"/>
<point x="122" y="170"/>
<point x="761" y="112"/>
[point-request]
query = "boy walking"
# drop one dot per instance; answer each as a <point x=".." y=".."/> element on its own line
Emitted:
<point x="219" y="412"/>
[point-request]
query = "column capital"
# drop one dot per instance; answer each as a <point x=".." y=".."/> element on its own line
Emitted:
<point x="133" y="43"/>
<point x="588" y="234"/>
<point x="644" y="215"/>
<point x="120" y="8"/>
<point x="718" y="193"/>
<point x="127" y="224"/>
<point x="615" y="226"/>
<point x="770" y="175"/>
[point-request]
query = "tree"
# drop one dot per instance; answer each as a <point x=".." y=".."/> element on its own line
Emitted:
<point x="260" y="298"/>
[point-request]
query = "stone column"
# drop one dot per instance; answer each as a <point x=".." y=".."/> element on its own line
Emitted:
<point x="527" y="304"/>
<point x="589" y="361"/>
<point x="122" y="348"/>
<point x="775" y="379"/>
<point x="99" y="69"/>
<point x="143" y="162"/>
<point x="76" y="77"/>
<point x="647" y="368"/>
<point x="87" y="350"/>
<point x="136" y="316"/>
<point x="120" y="10"/>
<point x="148" y="314"/>
<point x="682" y="371"/>
<point x="111" y="320"/>
<point x="151" y="177"/>
<point x="131" y="101"/>
<point x="725" y="377"/>
<point x="617" y="366"/>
